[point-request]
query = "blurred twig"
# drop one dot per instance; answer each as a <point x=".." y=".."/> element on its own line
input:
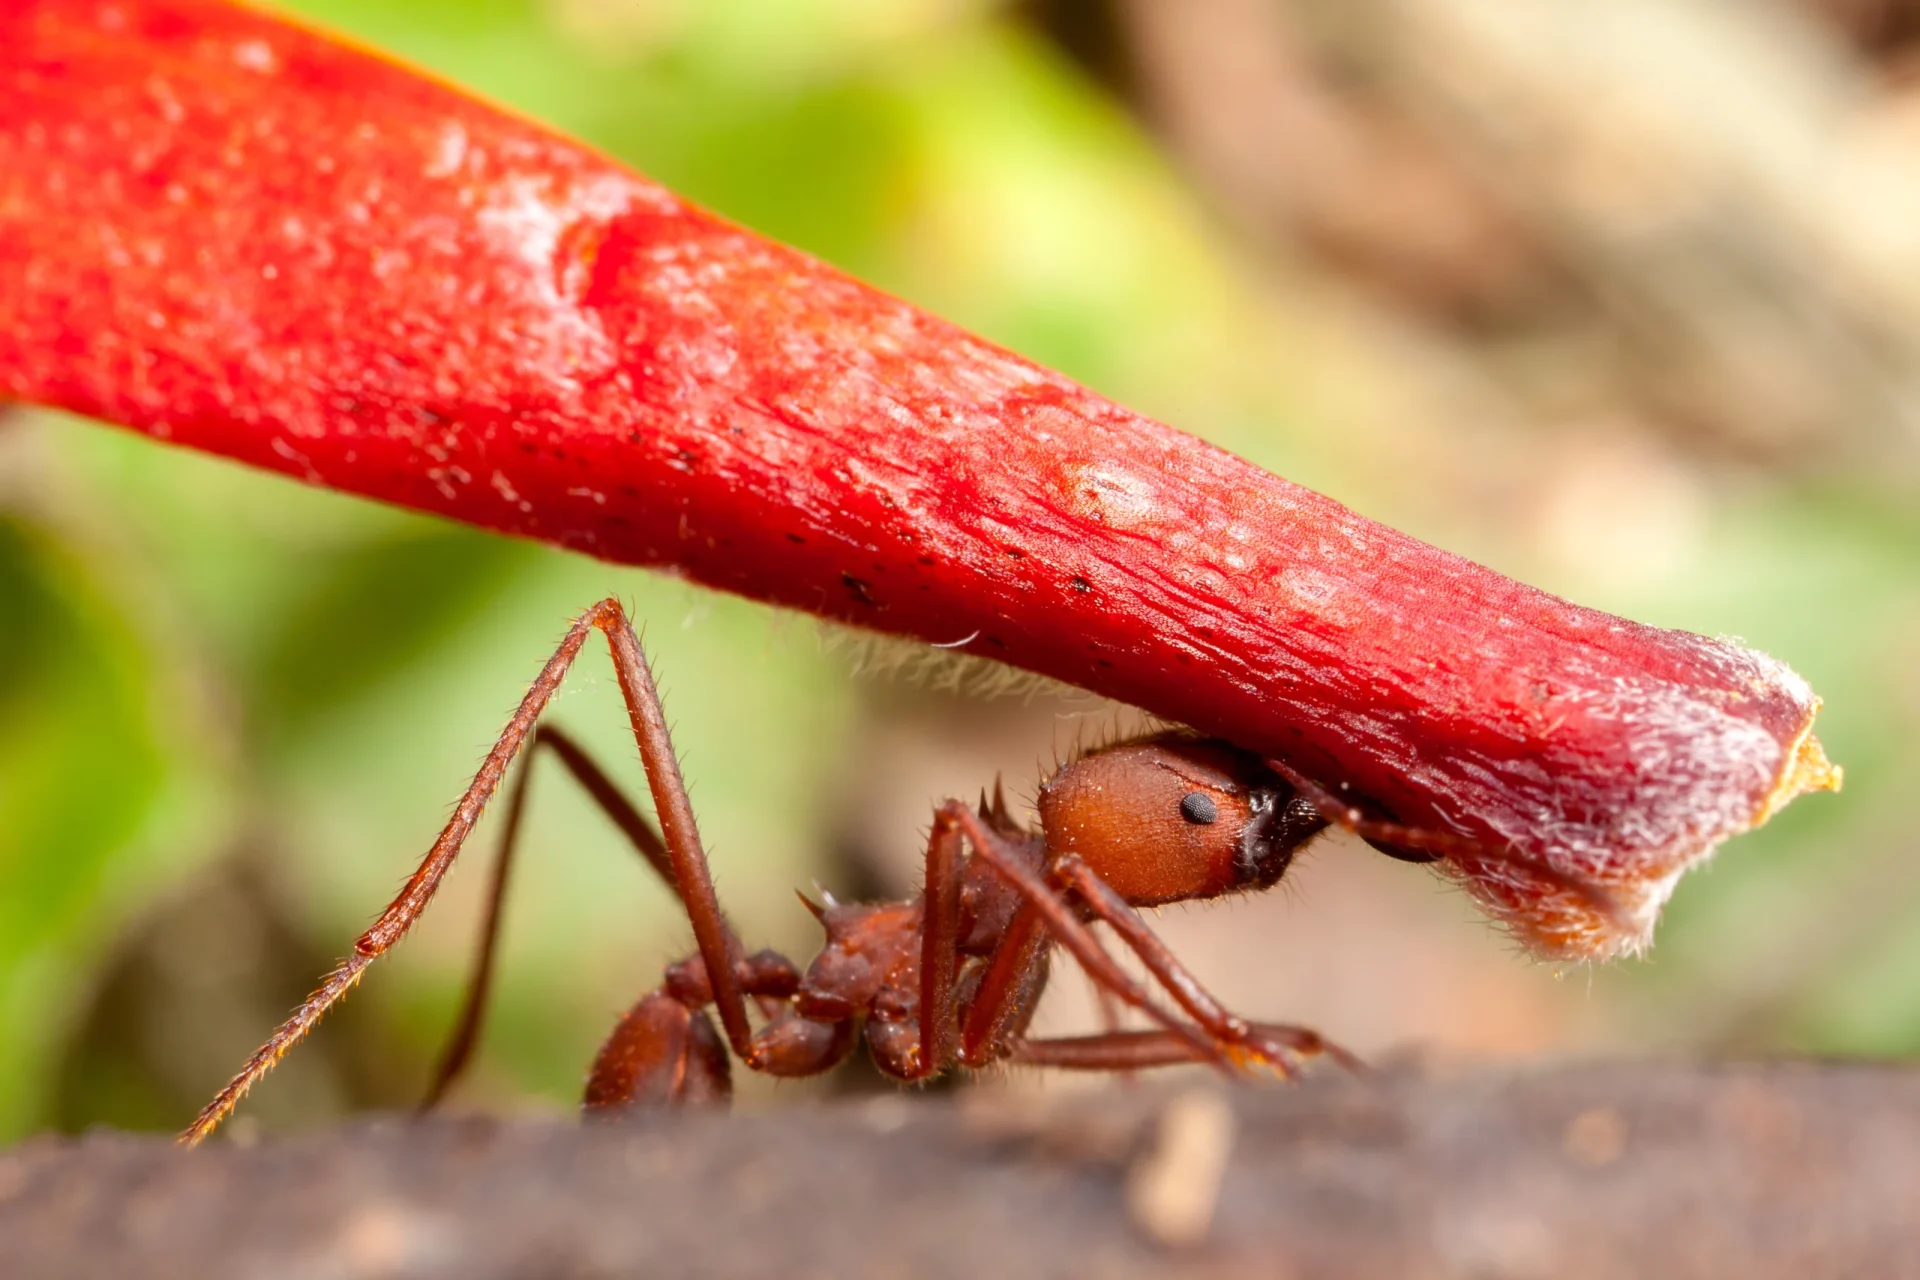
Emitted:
<point x="1699" y="215"/>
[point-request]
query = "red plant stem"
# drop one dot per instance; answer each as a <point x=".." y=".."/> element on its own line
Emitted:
<point x="239" y="235"/>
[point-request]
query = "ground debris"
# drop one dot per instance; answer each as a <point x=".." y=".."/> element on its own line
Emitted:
<point x="1595" y="1170"/>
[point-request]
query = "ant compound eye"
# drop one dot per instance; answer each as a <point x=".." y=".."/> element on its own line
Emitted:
<point x="1198" y="808"/>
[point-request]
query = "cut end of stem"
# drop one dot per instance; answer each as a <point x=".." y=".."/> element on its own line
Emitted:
<point x="1807" y="769"/>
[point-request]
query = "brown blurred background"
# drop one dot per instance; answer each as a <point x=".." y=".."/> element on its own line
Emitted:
<point x="1622" y="299"/>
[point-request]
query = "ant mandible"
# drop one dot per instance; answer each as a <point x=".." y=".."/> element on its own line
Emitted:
<point x="949" y="978"/>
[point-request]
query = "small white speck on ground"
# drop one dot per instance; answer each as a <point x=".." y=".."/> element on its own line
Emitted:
<point x="1174" y="1186"/>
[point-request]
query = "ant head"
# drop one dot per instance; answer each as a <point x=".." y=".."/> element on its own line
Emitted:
<point x="1171" y="817"/>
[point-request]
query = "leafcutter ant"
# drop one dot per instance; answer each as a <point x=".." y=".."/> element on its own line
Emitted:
<point x="950" y="978"/>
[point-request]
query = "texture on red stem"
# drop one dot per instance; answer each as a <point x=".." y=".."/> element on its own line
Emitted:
<point x="236" y="234"/>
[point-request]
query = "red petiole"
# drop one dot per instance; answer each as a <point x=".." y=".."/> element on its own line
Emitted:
<point x="233" y="233"/>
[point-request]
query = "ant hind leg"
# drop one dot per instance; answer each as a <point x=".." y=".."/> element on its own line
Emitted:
<point x="679" y="832"/>
<point x="464" y="1038"/>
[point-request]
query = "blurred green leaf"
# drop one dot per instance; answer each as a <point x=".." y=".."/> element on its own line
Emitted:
<point x="364" y="614"/>
<point x="81" y="763"/>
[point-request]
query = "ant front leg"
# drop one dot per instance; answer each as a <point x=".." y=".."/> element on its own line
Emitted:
<point x="1045" y="917"/>
<point x="1273" y="1044"/>
<point x="1141" y="1050"/>
<point x="679" y="832"/>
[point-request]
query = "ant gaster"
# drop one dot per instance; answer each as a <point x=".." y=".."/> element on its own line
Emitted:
<point x="951" y="977"/>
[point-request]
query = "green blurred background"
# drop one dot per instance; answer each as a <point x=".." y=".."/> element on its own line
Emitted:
<point x="1647" y="338"/>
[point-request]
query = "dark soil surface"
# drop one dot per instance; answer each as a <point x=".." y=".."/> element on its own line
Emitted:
<point x="1629" y="1170"/>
